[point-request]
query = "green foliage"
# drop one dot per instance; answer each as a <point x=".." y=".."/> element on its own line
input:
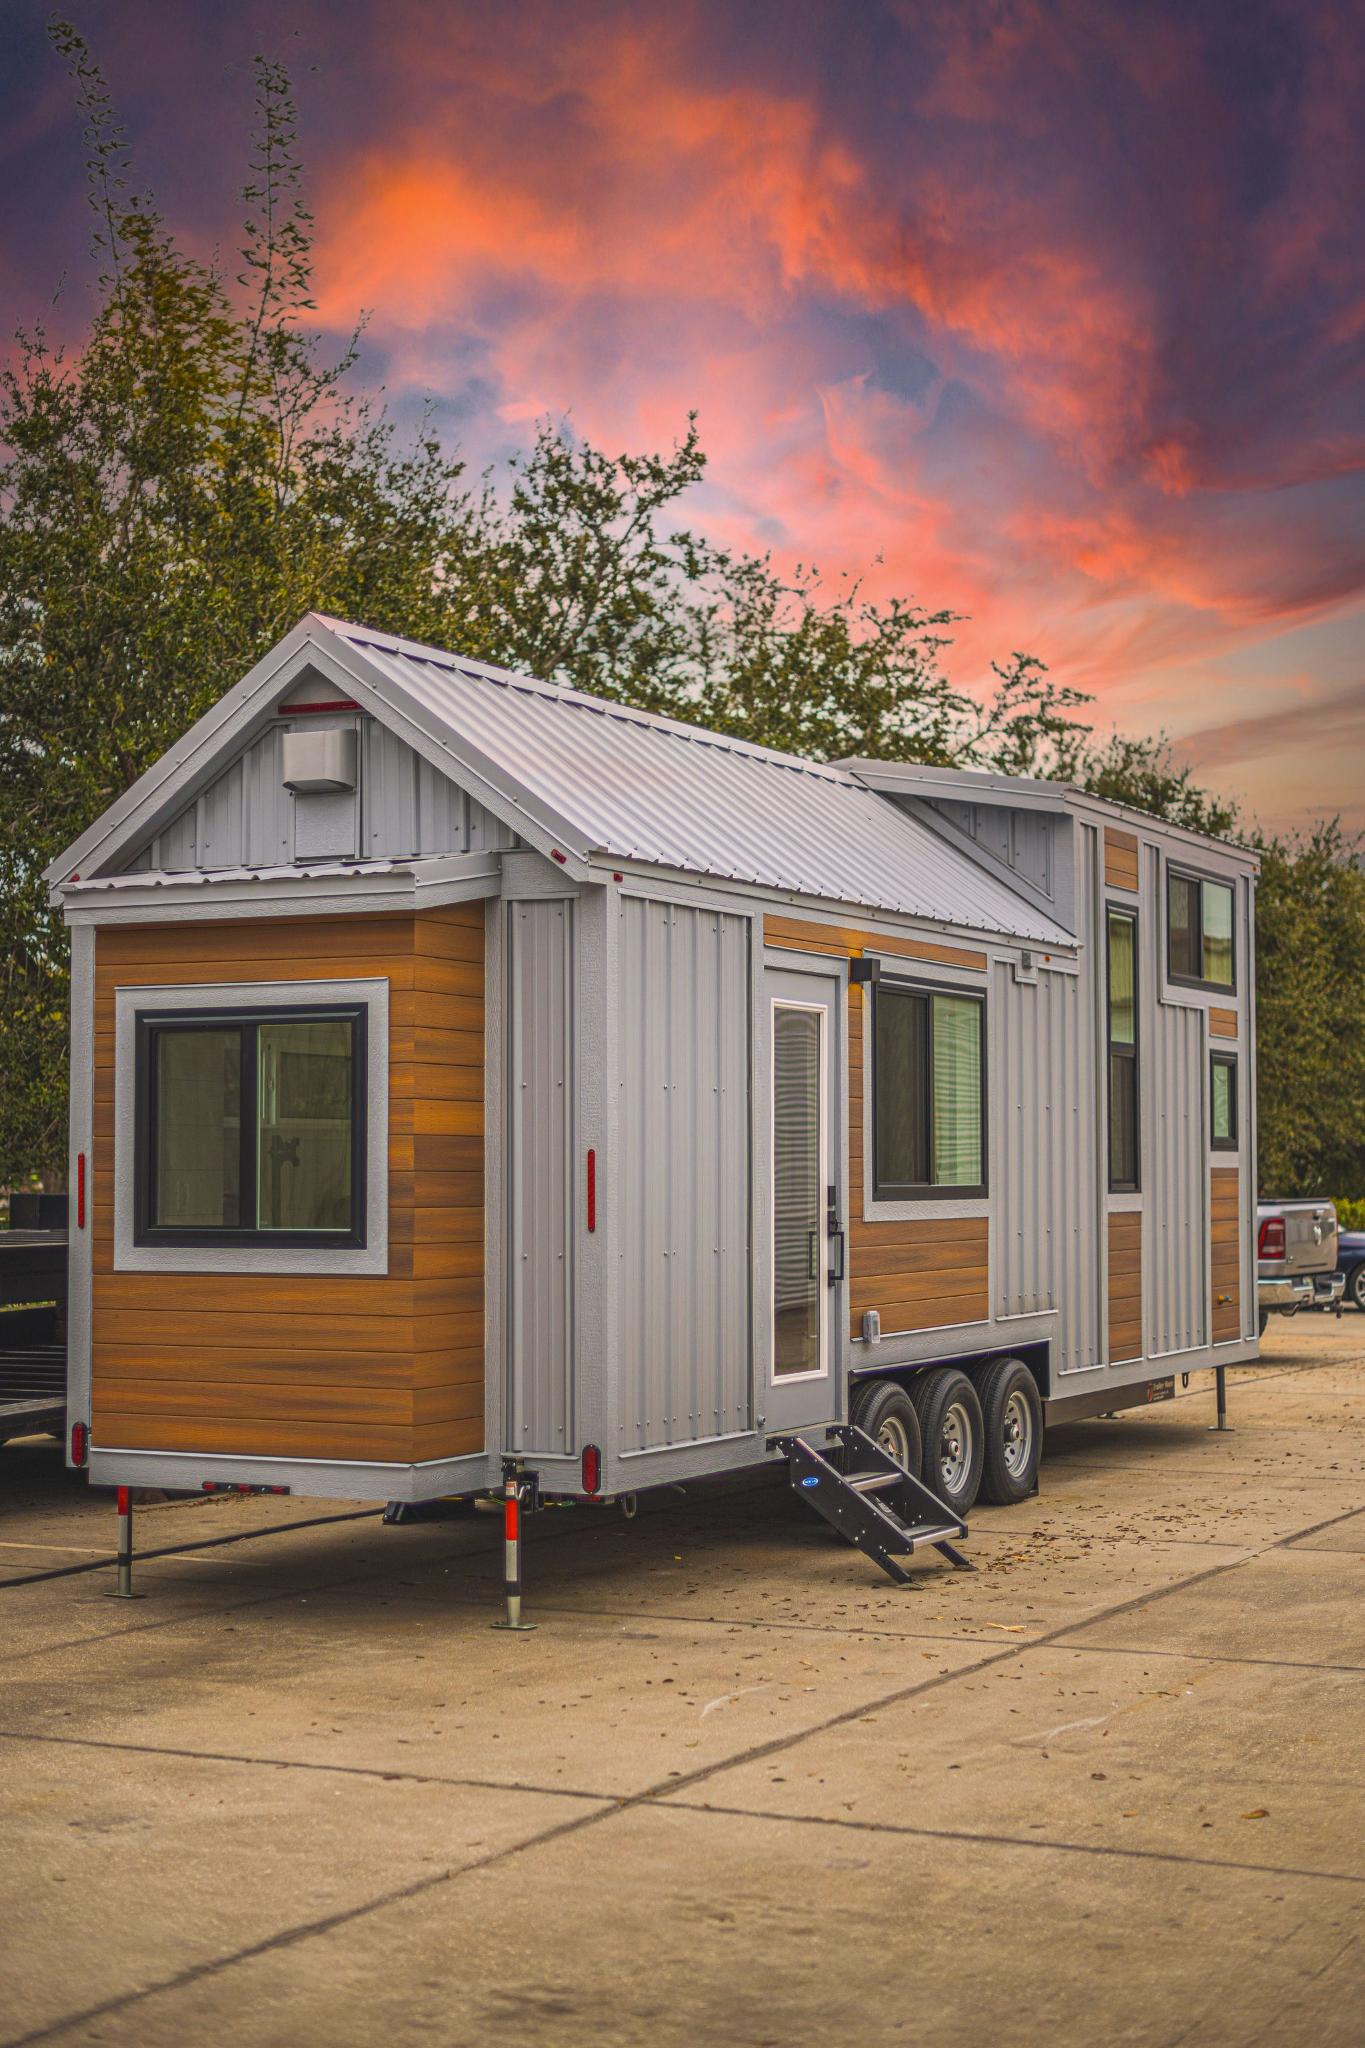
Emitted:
<point x="1350" y="1212"/>
<point x="1310" y="935"/>
<point x="175" y="494"/>
<point x="178" y="492"/>
<point x="1310" y="968"/>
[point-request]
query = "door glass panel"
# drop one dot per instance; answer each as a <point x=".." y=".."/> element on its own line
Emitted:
<point x="798" y="1232"/>
<point x="304" y="1155"/>
<point x="198" y="1128"/>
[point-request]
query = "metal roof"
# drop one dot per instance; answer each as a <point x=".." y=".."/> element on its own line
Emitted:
<point x="638" y="787"/>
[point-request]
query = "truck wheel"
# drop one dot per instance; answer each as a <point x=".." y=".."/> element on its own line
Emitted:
<point x="1013" y="1418"/>
<point x="951" y="1427"/>
<point x="885" y="1412"/>
<point x="1355" y="1286"/>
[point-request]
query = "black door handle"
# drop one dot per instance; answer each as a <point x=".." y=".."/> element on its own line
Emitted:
<point x="835" y="1278"/>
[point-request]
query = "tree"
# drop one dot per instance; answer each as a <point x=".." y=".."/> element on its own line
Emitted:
<point x="177" y="492"/>
<point x="1310" y="965"/>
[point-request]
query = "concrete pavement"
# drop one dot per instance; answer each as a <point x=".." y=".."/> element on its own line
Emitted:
<point x="736" y="1787"/>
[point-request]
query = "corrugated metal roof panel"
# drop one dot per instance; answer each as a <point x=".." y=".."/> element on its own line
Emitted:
<point x="649" y="789"/>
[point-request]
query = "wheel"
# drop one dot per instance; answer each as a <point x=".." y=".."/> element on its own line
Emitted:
<point x="885" y="1412"/>
<point x="954" y="1438"/>
<point x="1355" y="1286"/>
<point x="1012" y="1417"/>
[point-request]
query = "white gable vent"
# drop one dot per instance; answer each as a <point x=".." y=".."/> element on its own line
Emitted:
<point x="321" y="766"/>
<point x="320" y="763"/>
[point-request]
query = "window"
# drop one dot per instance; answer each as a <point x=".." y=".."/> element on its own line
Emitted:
<point x="1199" y="949"/>
<point x="929" y="1093"/>
<point x="250" y="1127"/>
<point x="1223" y="1101"/>
<point x="1124" y="1148"/>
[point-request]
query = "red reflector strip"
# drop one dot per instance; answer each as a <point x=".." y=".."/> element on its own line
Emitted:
<point x="592" y="1469"/>
<point x="123" y="1500"/>
<point x="334" y="704"/>
<point x="80" y="1191"/>
<point x="511" y="1518"/>
<point x="562" y="858"/>
<point x="592" y="1189"/>
<point x="80" y="1443"/>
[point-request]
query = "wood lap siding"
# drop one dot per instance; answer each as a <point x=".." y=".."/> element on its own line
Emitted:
<point x="1225" y="1211"/>
<point x="1125" y="1285"/>
<point x="1222" y="1023"/>
<point x="841" y="942"/>
<point x="918" y="1274"/>
<point x="1120" y="859"/>
<point x="383" y="1367"/>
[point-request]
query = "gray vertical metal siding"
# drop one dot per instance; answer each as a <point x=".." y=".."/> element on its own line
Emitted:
<point x="245" y="818"/>
<point x="1022" y="841"/>
<point x="540" y="1172"/>
<point x="412" y="808"/>
<point x="1044" y="1180"/>
<point x="682" y="1180"/>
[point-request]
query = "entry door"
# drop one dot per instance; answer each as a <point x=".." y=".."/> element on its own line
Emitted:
<point x="805" y="1151"/>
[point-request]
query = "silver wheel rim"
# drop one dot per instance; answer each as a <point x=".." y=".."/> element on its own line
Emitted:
<point x="955" y="1447"/>
<point x="893" y="1438"/>
<point x="1016" y="1435"/>
<point x="1358" y="1287"/>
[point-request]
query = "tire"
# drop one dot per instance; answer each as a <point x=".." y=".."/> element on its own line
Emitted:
<point x="1355" y="1286"/>
<point x="953" y="1435"/>
<point x="885" y="1412"/>
<point x="1263" y="1321"/>
<point x="1012" y="1414"/>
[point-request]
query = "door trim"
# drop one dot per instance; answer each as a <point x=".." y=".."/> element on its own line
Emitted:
<point x="824" y="1180"/>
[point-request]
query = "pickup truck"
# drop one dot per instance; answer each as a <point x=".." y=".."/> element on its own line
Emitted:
<point x="1296" y="1254"/>
<point x="1351" y="1264"/>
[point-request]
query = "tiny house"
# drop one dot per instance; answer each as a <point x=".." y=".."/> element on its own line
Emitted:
<point x="469" y="1074"/>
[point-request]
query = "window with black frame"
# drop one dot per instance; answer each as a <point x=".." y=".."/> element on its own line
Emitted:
<point x="250" y="1127"/>
<point x="1122" y="1003"/>
<point x="929" y="1092"/>
<point x="1199" y="935"/>
<point x="1223" y="1101"/>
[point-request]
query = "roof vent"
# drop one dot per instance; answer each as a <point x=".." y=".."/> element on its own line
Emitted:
<point x="320" y="763"/>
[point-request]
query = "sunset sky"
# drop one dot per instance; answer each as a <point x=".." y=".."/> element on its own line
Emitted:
<point x="1052" y="313"/>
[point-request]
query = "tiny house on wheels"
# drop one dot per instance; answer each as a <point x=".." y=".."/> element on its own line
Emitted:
<point x="479" y="1084"/>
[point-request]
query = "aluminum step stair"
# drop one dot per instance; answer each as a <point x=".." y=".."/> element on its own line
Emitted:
<point x="870" y="1499"/>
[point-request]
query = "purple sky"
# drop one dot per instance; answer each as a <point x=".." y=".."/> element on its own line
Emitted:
<point x="1054" y="314"/>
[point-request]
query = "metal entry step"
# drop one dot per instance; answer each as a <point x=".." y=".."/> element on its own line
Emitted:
<point x="872" y="1502"/>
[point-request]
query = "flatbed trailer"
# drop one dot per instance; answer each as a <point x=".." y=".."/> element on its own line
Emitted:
<point x="479" y="1087"/>
<point x="32" y="1338"/>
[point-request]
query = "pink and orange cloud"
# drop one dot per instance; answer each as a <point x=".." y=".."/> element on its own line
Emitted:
<point x="1053" y="312"/>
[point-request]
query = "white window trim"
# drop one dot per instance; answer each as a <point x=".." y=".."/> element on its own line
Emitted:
<point x="373" y="1256"/>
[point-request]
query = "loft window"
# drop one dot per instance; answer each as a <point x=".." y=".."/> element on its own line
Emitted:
<point x="1223" y="1101"/>
<point x="929" y="1093"/>
<point x="1124" y="1137"/>
<point x="1199" y="946"/>
<point x="250" y="1127"/>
